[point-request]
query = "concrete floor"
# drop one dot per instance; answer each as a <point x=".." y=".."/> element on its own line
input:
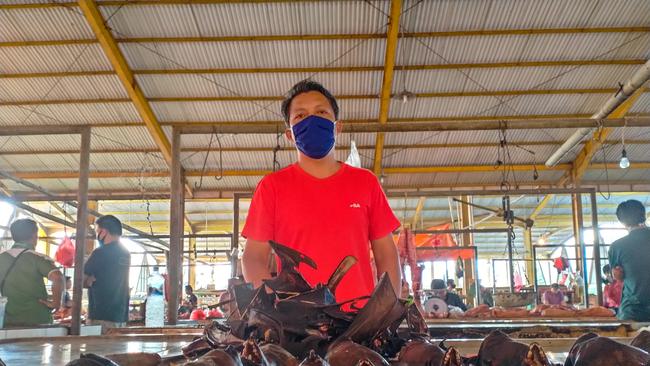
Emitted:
<point x="59" y="351"/>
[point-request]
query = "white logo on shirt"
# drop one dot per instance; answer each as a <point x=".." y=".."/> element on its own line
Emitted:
<point x="355" y="205"/>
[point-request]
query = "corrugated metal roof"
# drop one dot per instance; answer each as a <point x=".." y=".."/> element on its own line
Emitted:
<point x="254" y="54"/>
<point x="132" y="137"/>
<point x="487" y="106"/>
<point x="53" y="59"/>
<point x="248" y="19"/>
<point x="539" y="47"/>
<point x="210" y="183"/>
<point x="517" y="78"/>
<point x="244" y="111"/>
<point x="95" y="113"/>
<point x="255" y="84"/>
<point x="74" y="87"/>
<point x="216" y="111"/>
<point x="465" y="156"/>
<point x="465" y="178"/>
<point x="52" y="23"/>
<point x="517" y="14"/>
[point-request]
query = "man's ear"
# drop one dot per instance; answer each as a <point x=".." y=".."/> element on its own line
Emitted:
<point x="288" y="134"/>
<point x="339" y="127"/>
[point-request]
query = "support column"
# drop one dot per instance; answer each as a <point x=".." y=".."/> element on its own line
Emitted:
<point x="467" y="221"/>
<point x="192" y="264"/>
<point x="234" y="246"/>
<point x="177" y="209"/>
<point x="82" y="230"/>
<point x="580" y="247"/>
<point x="90" y="242"/>
<point x="596" y="252"/>
<point x="528" y="247"/>
<point x="578" y="229"/>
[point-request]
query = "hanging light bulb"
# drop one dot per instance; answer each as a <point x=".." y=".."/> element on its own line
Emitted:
<point x="625" y="162"/>
<point x="541" y="240"/>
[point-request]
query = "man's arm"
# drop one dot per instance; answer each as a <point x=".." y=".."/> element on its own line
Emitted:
<point x="58" y="284"/>
<point x="89" y="271"/>
<point x="255" y="261"/>
<point x="387" y="260"/>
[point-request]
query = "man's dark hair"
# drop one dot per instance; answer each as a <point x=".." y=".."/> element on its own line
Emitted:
<point x="23" y="230"/>
<point x="189" y="288"/>
<point x="306" y="86"/>
<point x="555" y="286"/>
<point x="111" y="223"/>
<point x="437" y="284"/>
<point x="631" y="213"/>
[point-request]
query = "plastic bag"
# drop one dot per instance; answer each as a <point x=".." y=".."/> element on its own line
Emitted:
<point x="65" y="253"/>
<point x="354" y="159"/>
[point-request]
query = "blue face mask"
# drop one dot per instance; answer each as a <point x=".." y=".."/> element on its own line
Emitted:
<point x="100" y="241"/>
<point x="314" y="136"/>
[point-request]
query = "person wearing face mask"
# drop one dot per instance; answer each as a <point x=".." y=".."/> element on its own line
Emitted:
<point x="320" y="206"/>
<point x="629" y="258"/>
<point x="106" y="275"/>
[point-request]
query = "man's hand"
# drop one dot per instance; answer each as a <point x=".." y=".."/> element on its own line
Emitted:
<point x="50" y="304"/>
<point x="618" y="273"/>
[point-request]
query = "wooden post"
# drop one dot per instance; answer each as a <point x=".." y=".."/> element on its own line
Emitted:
<point x="596" y="251"/>
<point x="90" y="242"/>
<point x="177" y="209"/>
<point x="528" y="246"/>
<point x="467" y="221"/>
<point x="82" y="231"/>
<point x="580" y="248"/>
<point x="578" y="229"/>
<point x="234" y="246"/>
<point x="191" y="270"/>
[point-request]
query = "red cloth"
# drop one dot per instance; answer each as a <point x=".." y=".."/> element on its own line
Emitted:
<point x="326" y="219"/>
<point x="613" y="293"/>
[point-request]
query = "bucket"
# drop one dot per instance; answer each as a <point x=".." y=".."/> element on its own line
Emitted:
<point x="3" y="305"/>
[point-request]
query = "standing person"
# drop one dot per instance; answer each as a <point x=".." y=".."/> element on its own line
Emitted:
<point x="107" y="277"/>
<point x="320" y="206"/>
<point x="629" y="258"/>
<point x="191" y="299"/>
<point x="22" y="270"/>
<point x="554" y="296"/>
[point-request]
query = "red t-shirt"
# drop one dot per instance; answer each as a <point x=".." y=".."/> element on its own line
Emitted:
<point x="326" y="219"/>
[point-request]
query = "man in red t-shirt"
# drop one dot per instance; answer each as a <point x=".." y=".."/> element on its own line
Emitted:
<point x="319" y="206"/>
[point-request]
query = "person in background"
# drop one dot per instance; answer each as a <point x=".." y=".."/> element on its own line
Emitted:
<point x="629" y="258"/>
<point x="554" y="296"/>
<point x="613" y="289"/>
<point x="106" y="275"/>
<point x="439" y="289"/>
<point x="190" y="298"/>
<point x="22" y="270"/>
<point x="67" y="299"/>
<point x="451" y="285"/>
